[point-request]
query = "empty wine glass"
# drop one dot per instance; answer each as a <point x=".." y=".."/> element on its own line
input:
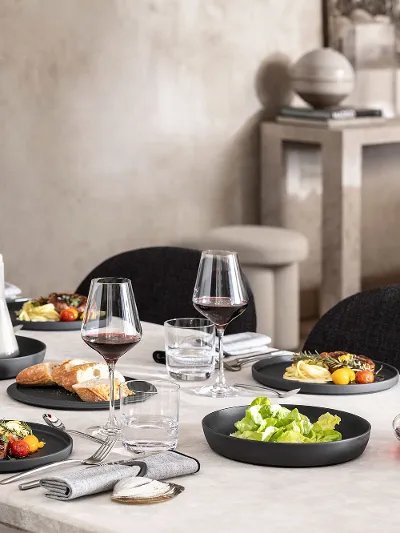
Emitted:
<point x="111" y="326"/>
<point x="221" y="296"/>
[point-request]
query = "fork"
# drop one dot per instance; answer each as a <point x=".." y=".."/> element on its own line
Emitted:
<point x="257" y="388"/>
<point x="236" y="364"/>
<point x="95" y="459"/>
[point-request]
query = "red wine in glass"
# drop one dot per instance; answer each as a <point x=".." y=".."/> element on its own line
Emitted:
<point x="220" y="295"/>
<point x="220" y="311"/>
<point x="111" y="327"/>
<point x="111" y="346"/>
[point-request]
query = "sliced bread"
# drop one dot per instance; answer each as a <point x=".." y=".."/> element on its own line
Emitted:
<point x="98" y="390"/>
<point x="87" y="372"/>
<point x="66" y="366"/>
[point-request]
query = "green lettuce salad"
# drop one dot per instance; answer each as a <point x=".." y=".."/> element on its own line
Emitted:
<point x="269" y="422"/>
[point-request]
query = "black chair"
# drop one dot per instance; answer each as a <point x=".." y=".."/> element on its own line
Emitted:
<point x="367" y="323"/>
<point x="163" y="279"/>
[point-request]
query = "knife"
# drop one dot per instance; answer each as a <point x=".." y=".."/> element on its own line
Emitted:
<point x="126" y="462"/>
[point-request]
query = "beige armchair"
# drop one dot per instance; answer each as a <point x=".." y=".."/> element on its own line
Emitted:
<point x="270" y="258"/>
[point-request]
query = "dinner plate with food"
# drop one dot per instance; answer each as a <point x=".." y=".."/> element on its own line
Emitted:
<point x="26" y="445"/>
<point x="269" y="434"/>
<point x="326" y="373"/>
<point x="57" y="312"/>
<point x="73" y="385"/>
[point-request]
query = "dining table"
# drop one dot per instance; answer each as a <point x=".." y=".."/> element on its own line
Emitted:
<point x="224" y="496"/>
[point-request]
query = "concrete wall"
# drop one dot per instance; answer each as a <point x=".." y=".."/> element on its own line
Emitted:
<point x="133" y="122"/>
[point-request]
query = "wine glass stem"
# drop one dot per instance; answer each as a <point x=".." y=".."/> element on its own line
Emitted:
<point x="112" y="422"/>
<point x="220" y="381"/>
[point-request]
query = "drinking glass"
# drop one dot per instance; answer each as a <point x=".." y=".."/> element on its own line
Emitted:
<point x="190" y="348"/>
<point x="221" y="296"/>
<point x="111" y="327"/>
<point x="150" y="416"/>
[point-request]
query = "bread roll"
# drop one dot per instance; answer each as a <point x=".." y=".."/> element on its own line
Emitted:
<point x="41" y="374"/>
<point x="98" y="390"/>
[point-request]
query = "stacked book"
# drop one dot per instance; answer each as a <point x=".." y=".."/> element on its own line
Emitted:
<point x="335" y="117"/>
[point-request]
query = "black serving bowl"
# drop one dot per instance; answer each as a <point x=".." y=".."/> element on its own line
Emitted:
<point x="31" y="352"/>
<point x="217" y="427"/>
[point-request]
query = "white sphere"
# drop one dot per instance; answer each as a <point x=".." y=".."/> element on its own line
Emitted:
<point x="323" y="77"/>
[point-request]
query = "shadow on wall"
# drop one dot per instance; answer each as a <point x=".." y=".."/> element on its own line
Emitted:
<point x="242" y="159"/>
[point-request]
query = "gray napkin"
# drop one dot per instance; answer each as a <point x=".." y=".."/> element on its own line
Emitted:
<point x="92" y="480"/>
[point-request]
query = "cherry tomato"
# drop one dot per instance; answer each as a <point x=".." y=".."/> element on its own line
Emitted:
<point x="365" y="376"/>
<point x="32" y="442"/>
<point x="19" y="448"/>
<point x="69" y="315"/>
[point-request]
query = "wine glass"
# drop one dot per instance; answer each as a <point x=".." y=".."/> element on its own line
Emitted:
<point x="111" y="326"/>
<point x="221" y="296"/>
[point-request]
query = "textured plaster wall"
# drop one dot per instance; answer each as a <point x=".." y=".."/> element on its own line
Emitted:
<point x="133" y="122"/>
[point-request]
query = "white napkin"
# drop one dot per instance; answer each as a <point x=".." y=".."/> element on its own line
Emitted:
<point x="11" y="291"/>
<point x="248" y="343"/>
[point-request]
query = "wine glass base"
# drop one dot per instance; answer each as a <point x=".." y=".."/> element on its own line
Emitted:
<point x="217" y="391"/>
<point x="102" y="432"/>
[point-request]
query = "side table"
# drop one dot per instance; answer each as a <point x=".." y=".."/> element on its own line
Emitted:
<point x="341" y="193"/>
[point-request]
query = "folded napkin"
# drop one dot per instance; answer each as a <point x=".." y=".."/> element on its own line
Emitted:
<point x="246" y="343"/>
<point x="11" y="291"/>
<point x="95" y="479"/>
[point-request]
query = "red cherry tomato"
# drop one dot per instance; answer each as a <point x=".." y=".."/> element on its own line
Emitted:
<point x="365" y="376"/>
<point x="69" y="315"/>
<point x="19" y="448"/>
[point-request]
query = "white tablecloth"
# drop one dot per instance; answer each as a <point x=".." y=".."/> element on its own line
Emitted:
<point x="224" y="496"/>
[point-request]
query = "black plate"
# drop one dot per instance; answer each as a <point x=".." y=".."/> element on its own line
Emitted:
<point x="270" y="372"/>
<point x="31" y="352"/>
<point x="49" y="325"/>
<point x="57" y="448"/>
<point x="57" y="398"/>
<point x="217" y="427"/>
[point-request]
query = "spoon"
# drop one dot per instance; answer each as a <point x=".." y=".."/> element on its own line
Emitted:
<point x="54" y="422"/>
<point x="257" y="388"/>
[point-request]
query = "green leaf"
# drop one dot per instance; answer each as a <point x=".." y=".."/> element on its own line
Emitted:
<point x="268" y="422"/>
<point x="291" y="436"/>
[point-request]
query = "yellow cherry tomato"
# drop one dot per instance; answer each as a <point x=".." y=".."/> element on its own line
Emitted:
<point x="352" y="374"/>
<point x="32" y="442"/>
<point x="343" y="376"/>
<point x="41" y="444"/>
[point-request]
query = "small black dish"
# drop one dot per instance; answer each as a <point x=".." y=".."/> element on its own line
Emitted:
<point x="218" y="426"/>
<point x="57" y="448"/>
<point x="31" y="352"/>
<point x="269" y="372"/>
<point x="59" y="398"/>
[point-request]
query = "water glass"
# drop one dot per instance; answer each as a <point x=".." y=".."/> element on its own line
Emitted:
<point x="190" y="348"/>
<point x="149" y="416"/>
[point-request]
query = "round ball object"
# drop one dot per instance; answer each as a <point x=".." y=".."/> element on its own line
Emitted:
<point x="323" y="78"/>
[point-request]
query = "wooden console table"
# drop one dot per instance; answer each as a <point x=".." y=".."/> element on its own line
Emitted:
<point x="341" y="194"/>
